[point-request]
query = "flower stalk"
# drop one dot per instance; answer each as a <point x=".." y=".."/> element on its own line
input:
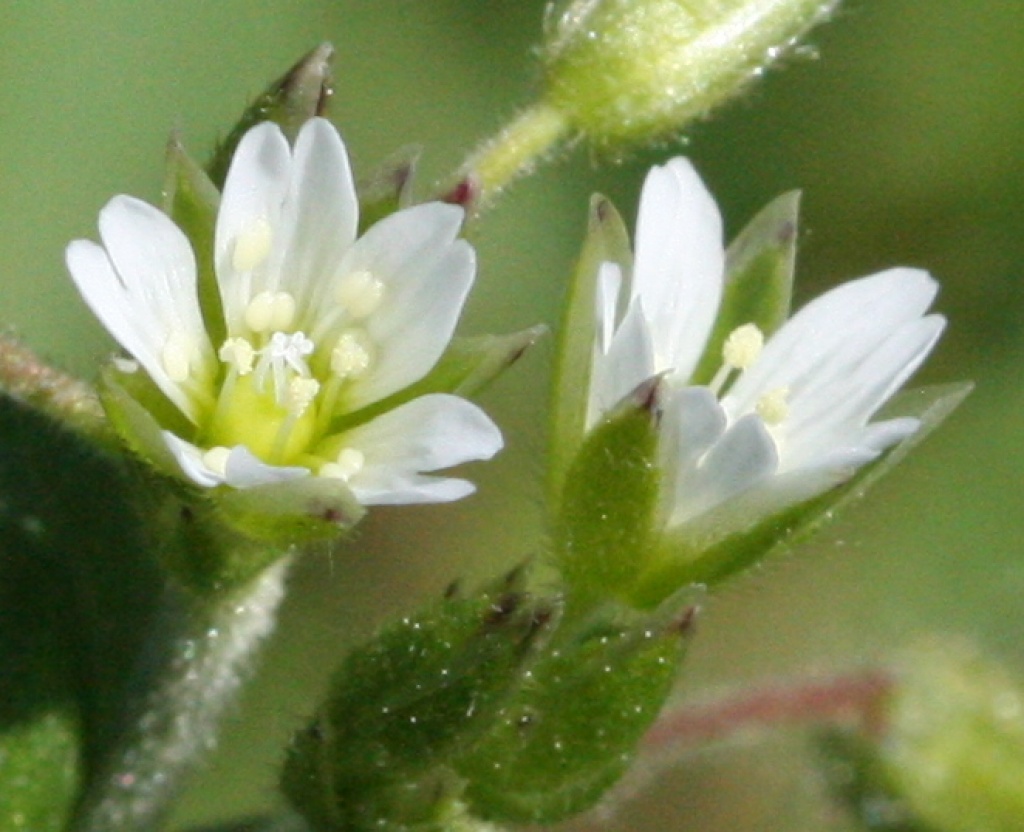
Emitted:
<point x="202" y="651"/>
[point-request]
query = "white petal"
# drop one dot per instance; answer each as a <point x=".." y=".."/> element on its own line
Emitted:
<point x="609" y="284"/>
<point x="426" y="434"/>
<point x="679" y="264"/>
<point x="319" y="218"/>
<point x="190" y="458"/>
<point x="242" y="470"/>
<point x="761" y="501"/>
<point x="816" y="346"/>
<point x="836" y="410"/>
<point x="142" y="287"/>
<point x="744" y="457"/>
<point x="427" y="274"/>
<point x="692" y="421"/>
<point x="628" y="363"/>
<point x="254" y="193"/>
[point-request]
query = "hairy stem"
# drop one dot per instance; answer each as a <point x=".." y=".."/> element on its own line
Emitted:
<point x="512" y="153"/>
<point x="211" y="652"/>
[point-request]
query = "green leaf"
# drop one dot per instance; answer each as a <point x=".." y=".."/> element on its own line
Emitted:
<point x="604" y="532"/>
<point x="572" y="732"/>
<point x="679" y="565"/>
<point x="759" y="271"/>
<point x="607" y="241"/>
<point x="375" y="756"/>
<point x="303" y="92"/>
<point x="77" y="592"/>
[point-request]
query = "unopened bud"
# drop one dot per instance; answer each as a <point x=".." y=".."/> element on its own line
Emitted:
<point x="625" y="71"/>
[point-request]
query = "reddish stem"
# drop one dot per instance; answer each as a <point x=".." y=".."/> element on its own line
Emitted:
<point x="850" y="696"/>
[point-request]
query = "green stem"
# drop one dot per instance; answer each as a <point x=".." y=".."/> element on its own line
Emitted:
<point x="513" y="152"/>
<point x="211" y="653"/>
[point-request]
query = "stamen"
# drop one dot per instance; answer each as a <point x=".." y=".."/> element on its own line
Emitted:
<point x="740" y="350"/>
<point x="176" y="356"/>
<point x="252" y="245"/>
<point x="216" y="459"/>
<point x="301" y="392"/>
<point x="351" y="356"/>
<point x="360" y="293"/>
<point x="349" y="463"/>
<point x="269" y="311"/>
<point x="773" y="406"/>
<point x="743" y="346"/>
<point x="239" y="354"/>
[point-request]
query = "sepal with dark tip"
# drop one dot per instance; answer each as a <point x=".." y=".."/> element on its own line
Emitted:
<point x="301" y="94"/>
<point x="378" y="754"/>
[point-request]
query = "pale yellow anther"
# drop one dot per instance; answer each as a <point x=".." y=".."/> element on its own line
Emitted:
<point x="360" y="293"/>
<point x="348" y="463"/>
<point x="239" y="353"/>
<point x="301" y="392"/>
<point x="351" y="355"/>
<point x="743" y="346"/>
<point x="773" y="406"/>
<point x="270" y="312"/>
<point x="216" y="459"/>
<point x="282" y="314"/>
<point x="176" y="356"/>
<point x="252" y="245"/>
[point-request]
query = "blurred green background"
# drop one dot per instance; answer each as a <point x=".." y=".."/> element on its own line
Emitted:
<point x="902" y="125"/>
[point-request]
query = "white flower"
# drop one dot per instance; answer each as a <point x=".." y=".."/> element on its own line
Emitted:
<point x="782" y="421"/>
<point x="317" y="325"/>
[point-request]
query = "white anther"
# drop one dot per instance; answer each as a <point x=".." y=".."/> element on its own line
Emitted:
<point x="216" y="459"/>
<point x="743" y="346"/>
<point x="239" y="354"/>
<point x="176" y="356"/>
<point x="349" y="462"/>
<point x="773" y="406"/>
<point x="351" y="356"/>
<point x="301" y="392"/>
<point x="360" y="293"/>
<point x="269" y="311"/>
<point x="252" y="245"/>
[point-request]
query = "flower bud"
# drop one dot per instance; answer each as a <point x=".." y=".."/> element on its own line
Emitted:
<point x="946" y="752"/>
<point x="632" y="70"/>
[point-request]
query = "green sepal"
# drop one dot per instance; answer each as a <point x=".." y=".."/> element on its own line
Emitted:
<point x="191" y="199"/>
<point x="681" y="561"/>
<point x="573" y="730"/>
<point x="603" y="535"/>
<point x="303" y="92"/>
<point x="389" y="188"/>
<point x="607" y="240"/>
<point x="402" y="706"/>
<point x="288" y="513"/>
<point x="759" y="268"/>
<point x="217" y="539"/>
<point x="138" y="412"/>
<point x="465" y="368"/>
